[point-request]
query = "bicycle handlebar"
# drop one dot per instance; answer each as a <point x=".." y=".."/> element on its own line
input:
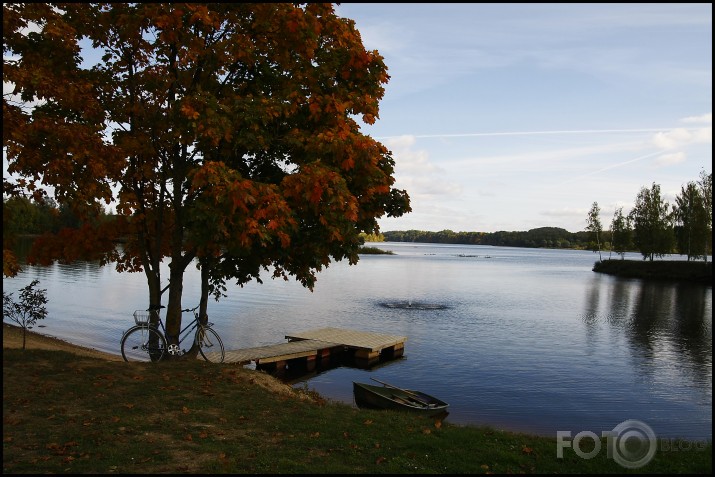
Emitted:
<point x="159" y="307"/>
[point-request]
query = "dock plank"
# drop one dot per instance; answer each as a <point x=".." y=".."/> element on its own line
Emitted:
<point x="351" y="338"/>
<point x="277" y="352"/>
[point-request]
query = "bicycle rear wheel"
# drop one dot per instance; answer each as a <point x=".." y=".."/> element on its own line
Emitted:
<point x="210" y="344"/>
<point x="143" y="344"/>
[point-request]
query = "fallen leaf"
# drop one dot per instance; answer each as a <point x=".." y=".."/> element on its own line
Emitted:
<point x="185" y="410"/>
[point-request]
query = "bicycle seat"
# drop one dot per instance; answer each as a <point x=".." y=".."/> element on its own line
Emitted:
<point x="155" y="307"/>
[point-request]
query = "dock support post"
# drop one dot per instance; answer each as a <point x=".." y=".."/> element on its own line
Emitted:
<point x="395" y="351"/>
<point x="365" y="357"/>
<point x="310" y="362"/>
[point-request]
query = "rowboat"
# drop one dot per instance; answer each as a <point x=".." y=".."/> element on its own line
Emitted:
<point x="392" y="397"/>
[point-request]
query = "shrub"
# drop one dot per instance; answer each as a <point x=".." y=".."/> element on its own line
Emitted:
<point x="30" y="309"/>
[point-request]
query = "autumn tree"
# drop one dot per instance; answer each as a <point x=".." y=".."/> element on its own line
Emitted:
<point x="652" y="223"/>
<point x="593" y="225"/>
<point x="226" y="135"/>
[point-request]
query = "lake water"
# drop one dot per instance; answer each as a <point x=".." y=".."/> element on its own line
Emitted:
<point x="520" y="339"/>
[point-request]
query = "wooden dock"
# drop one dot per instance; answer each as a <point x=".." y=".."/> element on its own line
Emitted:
<point x="309" y="348"/>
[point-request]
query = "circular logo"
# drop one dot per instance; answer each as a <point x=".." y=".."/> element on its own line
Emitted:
<point x="635" y="444"/>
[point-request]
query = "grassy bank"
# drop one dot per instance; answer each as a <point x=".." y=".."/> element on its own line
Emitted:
<point x="696" y="272"/>
<point x="68" y="414"/>
<point x="374" y="251"/>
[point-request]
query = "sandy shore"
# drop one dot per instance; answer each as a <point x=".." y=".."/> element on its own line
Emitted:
<point x="12" y="338"/>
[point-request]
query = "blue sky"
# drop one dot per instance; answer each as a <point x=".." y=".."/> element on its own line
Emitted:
<point x="517" y="116"/>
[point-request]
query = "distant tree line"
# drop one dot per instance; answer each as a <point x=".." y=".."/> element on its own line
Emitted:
<point x="543" y="237"/>
<point x="653" y="228"/>
<point x="25" y="216"/>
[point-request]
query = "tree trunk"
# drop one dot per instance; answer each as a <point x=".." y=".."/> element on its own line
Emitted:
<point x="206" y="264"/>
<point x="173" y="309"/>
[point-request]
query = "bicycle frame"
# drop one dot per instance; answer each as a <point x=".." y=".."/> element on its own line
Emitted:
<point x="184" y="333"/>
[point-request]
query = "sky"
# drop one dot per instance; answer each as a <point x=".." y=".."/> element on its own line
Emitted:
<point x="517" y="116"/>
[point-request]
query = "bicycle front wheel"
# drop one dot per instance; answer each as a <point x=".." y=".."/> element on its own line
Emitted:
<point x="143" y="344"/>
<point x="210" y="344"/>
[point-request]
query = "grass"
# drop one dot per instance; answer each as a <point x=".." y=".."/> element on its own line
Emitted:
<point x="68" y="414"/>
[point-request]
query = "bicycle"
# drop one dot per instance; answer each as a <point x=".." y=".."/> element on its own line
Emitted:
<point x="146" y="341"/>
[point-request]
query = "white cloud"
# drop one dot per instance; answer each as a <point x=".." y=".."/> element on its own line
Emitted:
<point x="673" y="138"/>
<point x="670" y="159"/>
<point x="703" y="118"/>
<point x="704" y="135"/>
<point x="415" y="172"/>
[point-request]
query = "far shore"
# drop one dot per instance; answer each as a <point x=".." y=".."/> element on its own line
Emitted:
<point x="679" y="270"/>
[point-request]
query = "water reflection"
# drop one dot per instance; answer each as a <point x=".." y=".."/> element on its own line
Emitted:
<point x="668" y="327"/>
